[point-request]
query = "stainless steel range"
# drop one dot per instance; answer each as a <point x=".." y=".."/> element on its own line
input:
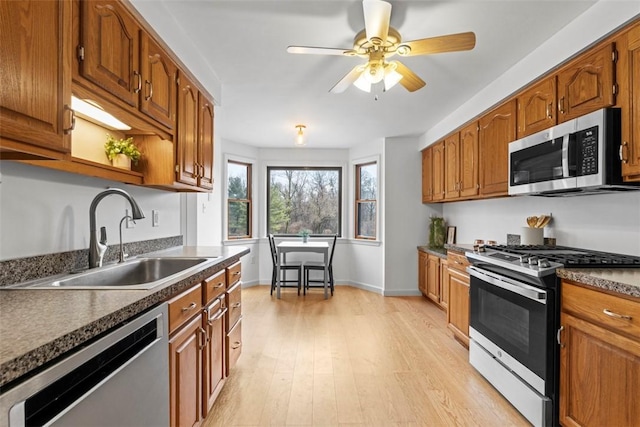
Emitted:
<point x="514" y="318"/>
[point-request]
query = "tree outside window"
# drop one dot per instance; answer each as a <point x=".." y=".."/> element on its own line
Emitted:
<point x="366" y="200"/>
<point x="239" y="200"/>
<point x="302" y="198"/>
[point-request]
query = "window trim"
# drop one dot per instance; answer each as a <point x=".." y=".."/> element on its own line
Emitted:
<point x="297" y="166"/>
<point x="357" y="200"/>
<point x="248" y="200"/>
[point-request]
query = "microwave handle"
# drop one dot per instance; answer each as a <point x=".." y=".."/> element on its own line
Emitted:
<point x="565" y="156"/>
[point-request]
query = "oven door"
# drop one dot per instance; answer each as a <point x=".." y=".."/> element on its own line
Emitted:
<point x="514" y="321"/>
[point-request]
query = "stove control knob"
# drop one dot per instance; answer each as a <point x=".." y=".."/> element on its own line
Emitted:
<point x="524" y="259"/>
<point x="533" y="260"/>
<point x="543" y="263"/>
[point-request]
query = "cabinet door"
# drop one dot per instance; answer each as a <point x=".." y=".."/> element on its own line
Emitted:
<point x="438" y="171"/>
<point x="214" y="355"/>
<point x="599" y="376"/>
<point x="630" y="76"/>
<point x="536" y="107"/>
<point x="205" y="143"/>
<point x="452" y="166"/>
<point x="158" y="95"/>
<point x="586" y="84"/>
<point x="444" y="284"/>
<point x="36" y="93"/>
<point x="427" y="175"/>
<point x="187" y="139"/>
<point x="185" y="374"/>
<point x="423" y="260"/>
<point x="433" y="278"/>
<point x="469" y="161"/>
<point x="109" y="38"/>
<point x="497" y="130"/>
<point x="458" y="313"/>
<point x="233" y="346"/>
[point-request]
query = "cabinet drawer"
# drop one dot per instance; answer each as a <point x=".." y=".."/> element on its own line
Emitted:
<point x="184" y="306"/>
<point x="234" y="305"/>
<point x="457" y="261"/>
<point x="214" y="286"/>
<point x="593" y="306"/>
<point x="234" y="345"/>
<point x="234" y="274"/>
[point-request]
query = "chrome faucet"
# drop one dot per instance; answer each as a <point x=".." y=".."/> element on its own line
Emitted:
<point x="97" y="250"/>
<point x="122" y="256"/>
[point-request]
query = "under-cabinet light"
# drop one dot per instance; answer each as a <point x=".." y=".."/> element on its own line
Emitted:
<point x="95" y="114"/>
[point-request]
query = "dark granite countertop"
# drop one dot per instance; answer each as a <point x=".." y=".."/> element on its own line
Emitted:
<point x="439" y="252"/>
<point x="459" y="247"/>
<point x="37" y="326"/>
<point x="621" y="280"/>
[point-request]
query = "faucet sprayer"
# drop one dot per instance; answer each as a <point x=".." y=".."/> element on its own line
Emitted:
<point x="97" y="249"/>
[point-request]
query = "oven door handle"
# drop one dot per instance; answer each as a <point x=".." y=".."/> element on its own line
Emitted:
<point x="510" y="285"/>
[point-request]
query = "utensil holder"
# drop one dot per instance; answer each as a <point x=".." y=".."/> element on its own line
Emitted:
<point x="532" y="236"/>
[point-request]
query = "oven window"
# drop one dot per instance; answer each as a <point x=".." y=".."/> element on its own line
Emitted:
<point x="542" y="162"/>
<point x="505" y="318"/>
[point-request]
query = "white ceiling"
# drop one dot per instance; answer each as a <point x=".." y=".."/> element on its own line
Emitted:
<point x="265" y="91"/>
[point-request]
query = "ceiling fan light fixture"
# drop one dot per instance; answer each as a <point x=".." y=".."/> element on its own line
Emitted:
<point x="300" y="136"/>
<point x="363" y="83"/>
<point x="391" y="76"/>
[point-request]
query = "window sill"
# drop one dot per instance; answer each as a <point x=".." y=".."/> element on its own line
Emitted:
<point x="240" y="242"/>
<point x="365" y="242"/>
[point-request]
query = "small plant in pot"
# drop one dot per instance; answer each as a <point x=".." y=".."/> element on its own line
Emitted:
<point x="304" y="233"/>
<point x="117" y="149"/>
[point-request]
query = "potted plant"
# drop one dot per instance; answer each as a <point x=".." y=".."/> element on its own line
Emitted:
<point x="121" y="152"/>
<point x="304" y="233"/>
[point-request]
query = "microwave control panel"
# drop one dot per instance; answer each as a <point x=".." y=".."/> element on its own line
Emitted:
<point x="587" y="151"/>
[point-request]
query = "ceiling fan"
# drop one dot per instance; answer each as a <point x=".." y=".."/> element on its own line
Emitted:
<point x="378" y="42"/>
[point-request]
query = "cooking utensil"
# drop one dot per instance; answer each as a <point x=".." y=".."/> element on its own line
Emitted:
<point x="543" y="221"/>
<point x="532" y="221"/>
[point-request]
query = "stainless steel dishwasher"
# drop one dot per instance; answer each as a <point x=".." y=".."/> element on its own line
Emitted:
<point x="121" y="379"/>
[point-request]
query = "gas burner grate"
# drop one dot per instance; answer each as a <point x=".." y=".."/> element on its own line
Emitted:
<point x="572" y="257"/>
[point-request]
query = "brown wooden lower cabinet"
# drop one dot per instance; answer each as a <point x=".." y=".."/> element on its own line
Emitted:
<point x="214" y="357"/>
<point x="430" y="279"/>
<point x="185" y="374"/>
<point x="599" y="358"/>
<point x="458" y="285"/>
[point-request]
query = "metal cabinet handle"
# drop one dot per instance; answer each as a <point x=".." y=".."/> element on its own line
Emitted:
<point x="149" y="85"/>
<point x="558" y="336"/>
<point x="623" y="152"/>
<point x="189" y="307"/>
<point x="561" y="105"/>
<point x="139" y="86"/>
<point x="616" y="315"/>
<point x="219" y="285"/>
<point x="236" y="345"/>
<point x="73" y="120"/>
<point x="236" y="273"/>
<point x="549" y="108"/>
<point x="204" y="338"/>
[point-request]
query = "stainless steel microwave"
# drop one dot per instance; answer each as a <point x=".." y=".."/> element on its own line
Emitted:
<point x="576" y="157"/>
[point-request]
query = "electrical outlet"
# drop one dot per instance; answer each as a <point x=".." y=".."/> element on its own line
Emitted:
<point x="155" y="218"/>
<point x="253" y="260"/>
<point x="129" y="223"/>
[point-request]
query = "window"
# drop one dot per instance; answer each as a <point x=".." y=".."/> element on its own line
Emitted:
<point x="366" y="200"/>
<point x="239" y="200"/>
<point x="301" y="198"/>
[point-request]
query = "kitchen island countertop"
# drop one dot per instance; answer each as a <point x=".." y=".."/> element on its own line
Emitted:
<point x="37" y="326"/>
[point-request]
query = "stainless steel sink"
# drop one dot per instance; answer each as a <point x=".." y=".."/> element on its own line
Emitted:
<point x="142" y="273"/>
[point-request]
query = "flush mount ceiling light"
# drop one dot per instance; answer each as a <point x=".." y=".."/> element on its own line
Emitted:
<point x="300" y="135"/>
<point x="93" y="113"/>
<point x="377" y="42"/>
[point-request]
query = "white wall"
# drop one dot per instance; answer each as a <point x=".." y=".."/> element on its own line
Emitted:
<point x="605" y="222"/>
<point x="46" y="211"/>
<point x="406" y="218"/>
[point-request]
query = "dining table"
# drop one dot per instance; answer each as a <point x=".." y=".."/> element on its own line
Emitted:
<point x="288" y="246"/>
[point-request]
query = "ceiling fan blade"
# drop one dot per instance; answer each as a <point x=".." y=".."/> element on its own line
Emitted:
<point x="347" y="80"/>
<point x="410" y="80"/>
<point x="377" y="15"/>
<point x="441" y="44"/>
<point x="320" y="50"/>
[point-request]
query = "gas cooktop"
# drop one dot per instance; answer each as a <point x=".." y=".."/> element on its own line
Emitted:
<point x="570" y="257"/>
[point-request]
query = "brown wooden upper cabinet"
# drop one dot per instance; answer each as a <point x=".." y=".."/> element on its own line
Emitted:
<point x="35" y="99"/>
<point x="195" y="136"/>
<point x="469" y="161"/>
<point x="452" y="166"/>
<point x="629" y="78"/>
<point x="427" y="175"/>
<point x="586" y="84"/>
<point x="537" y="107"/>
<point x="438" y="167"/>
<point x="117" y="55"/>
<point x="497" y="130"/>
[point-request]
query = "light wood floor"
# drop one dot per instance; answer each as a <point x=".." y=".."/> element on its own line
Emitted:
<point x="355" y="359"/>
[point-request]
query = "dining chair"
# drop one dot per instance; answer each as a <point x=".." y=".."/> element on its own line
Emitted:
<point x="284" y="267"/>
<point x="319" y="266"/>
